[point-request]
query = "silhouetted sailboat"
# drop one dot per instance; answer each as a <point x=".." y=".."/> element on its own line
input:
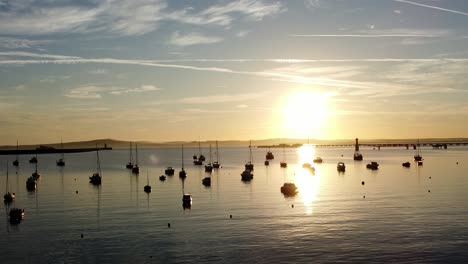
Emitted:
<point x="130" y="161"/>
<point x="201" y="158"/>
<point x="8" y="197"/>
<point x="136" y="169"/>
<point x="182" y="173"/>
<point x="97" y="176"/>
<point x="417" y="155"/>
<point x="284" y="164"/>
<point x="209" y="167"/>
<point x="16" y="161"/>
<point x="269" y="155"/>
<point x="35" y="174"/>
<point x="249" y="165"/>
<point x="217" y="163"/>
<point x="61" y="161"/>
<point x="147" y="188"/>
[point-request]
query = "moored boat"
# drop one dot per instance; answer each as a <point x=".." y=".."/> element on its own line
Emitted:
<point x="289" y="189"/>
<point x="340" y="166"/>
<point x="373" y="165"/>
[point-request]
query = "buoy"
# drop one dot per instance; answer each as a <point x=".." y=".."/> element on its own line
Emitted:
<point x="76" y="191"/>
<point x="292" y="205"/>
<point x="169" y="225"/>
<point x="230" y="216"/>
<point x="430" y="177"/>
<point x="364" y="196"/>
<point x="428" y="190"/>
<point x="457" y="162"/>
<point x="82" y="235"/>
<point x="363" y="183"/>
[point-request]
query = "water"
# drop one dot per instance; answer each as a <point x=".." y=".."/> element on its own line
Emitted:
<point x="399" y="220"/>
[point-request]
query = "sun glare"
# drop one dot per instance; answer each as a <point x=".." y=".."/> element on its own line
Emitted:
<point x="305" y="113"/>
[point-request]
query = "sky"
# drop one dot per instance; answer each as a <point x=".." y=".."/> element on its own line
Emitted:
<point x="163" y="70"/>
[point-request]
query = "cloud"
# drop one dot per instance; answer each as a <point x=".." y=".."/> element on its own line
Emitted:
<point x="242" y="34"/>
<point x="190" y="39"/>
<point x="397" y="11"/>
<point x="222" y="98"/>
<point x="99" y="71"/>
<point x="17" y="43"/>
<point x="433" y="7"/>
<point x="96" y="92"/>
<point x="53" y="79"/>
<point x="126" y="18"/>
<point x="387" y="33"/>
<point x="36" y="55"/>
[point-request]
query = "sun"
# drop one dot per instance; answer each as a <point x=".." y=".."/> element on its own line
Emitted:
<point x="305" y="113"/>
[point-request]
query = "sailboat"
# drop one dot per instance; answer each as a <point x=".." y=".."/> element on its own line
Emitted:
<point x="182" y="173"/>
<point x="61" y="161"/>
<point x="8" y="197"/>
<point x="130" y="162"/>
<point x="96" y="178"/>
<point x="16" y="161"/>
<point x="208" y="167"/>
<point x="284" y="164"/>
<point x="249" y="165"/>
<point x="217" y="163"/>
<point x="200" y="159"/>
<point x="417" y="155"/>
<point x="35" y="174"/>
<point x="147" y="188"/>
<point x="136" y="169"/>
<point x="269" y="155"/>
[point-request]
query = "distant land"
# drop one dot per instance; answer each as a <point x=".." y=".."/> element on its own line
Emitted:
<point x="257" y="143"/>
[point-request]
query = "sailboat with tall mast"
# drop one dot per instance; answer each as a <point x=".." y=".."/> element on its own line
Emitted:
<point x="97" y="176"/>
<point x="61" y="161"/>
<point x="217" y="163"/>
<point x="249" y="165"/>
<point x="199" y="161"/>
<point x="16" y="161"/>
<point x="182" y="173"/>
<point x="209" y="167"/>
<point x="147" y="188"/>
<point x="284" y="164"/>
<point x="35" y="174"/>
<point x="130" y="161"/>
<point x="417" y="155"/>
<point x="136" y="169"/>
<point x="8" y="197"/>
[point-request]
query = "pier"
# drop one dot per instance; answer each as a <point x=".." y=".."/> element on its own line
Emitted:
<point x="50" y="150"/>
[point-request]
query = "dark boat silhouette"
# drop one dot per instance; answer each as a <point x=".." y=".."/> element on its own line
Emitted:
<point x="373" y="165"/>
<point x="147" y="187"/>
<point x="249" y="165"/>
<point x="136" y="169"/>
<point x="162" y="177"/>
<point x="16" y="215"/>
<point x="169" y="171"/>
<point x="289" y="189"/>
<point x="130" y="160"/>
<point x="33" y="160"/>
<point x="61" y="161"/>
<point x="209" y="167"/>
<point x="31" y="184"/>
<point x="267" y="162"/>
<point x="340" y="166"/>
<point x="206" y="181"/>
<point x="8" y="197"/>
<point x="406" y="164"/>
<point x="284" y="164"/>
<point x="417" y="155"/>
<point x="182" y="173"/>
<point x="217" y="163"/>
<point x="269" y="155"/>
<point x="16" y="161"/>
<point x="247" y="175"/>
<point x="96" y="178"/>
<point x="318" y="160"/>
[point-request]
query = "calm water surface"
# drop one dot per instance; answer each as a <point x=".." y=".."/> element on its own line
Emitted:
<point x="416" y="215"/>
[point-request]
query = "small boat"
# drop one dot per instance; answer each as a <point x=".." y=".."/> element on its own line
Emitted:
<point x="136" y="169"/>
<point x="217" y="163"/>
<point x="130" y="161"/>
<point x="420" y="163"/>
<point x="269" y="155"/>
<point x="249" y="165"/>
<point x="206" y="181"/>
<point x="357" y="156"/>
<point x="417" y="155"/>
<point x="169" y="171"/>
<point x="373" y="165"/>
<point x="35" y="174"/>
<point x="198" y="162"/>
<point x="187" y="201"/>
<point x="195" y="157"/>
<point x="33" y="160"/>
<point x="31" y="184"/>
<point x="61" y="161"/>
<point x="16" y="161"/>
<point x="318" y="160"/>
<point x="162" y="177"/>
<point x="209" y="167"/>
<point x="246" y="175"/>
<point x="16" y="215"/>
<point x="289" y="189"/>
<point x="267" y="162"/>
<point x="340" y="166"/>
<point x="182" y="173"/>
<point x="97" y="176"/>
<point x="306" y="165"/>
<point x="283" y="164"/>
<point x="8" y="197"/>
<point x="147" y="187"/>
<point x="201" y="158"/>
<point x="406" y="164"/>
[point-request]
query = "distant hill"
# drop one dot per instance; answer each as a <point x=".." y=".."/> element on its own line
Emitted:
<point x="263" y="142"/>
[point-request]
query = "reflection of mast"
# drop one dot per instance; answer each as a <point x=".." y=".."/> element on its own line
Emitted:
<point x="356" y="146"/>
<point x="99" y="205"/>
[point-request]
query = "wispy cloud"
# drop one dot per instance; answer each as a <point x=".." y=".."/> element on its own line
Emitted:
<point x="190" y="39"/>
<point x="120" y="17"/>
<point x="18" y="43"/>
<point x="242" y="34"/>
<point x="53" y="79"/>
<point x="96" y="92"/>
<point x="433" y="7"/>
<point x="35" y="55"/>
<point x="387" y="33"/>
<point x="222" y="98"/>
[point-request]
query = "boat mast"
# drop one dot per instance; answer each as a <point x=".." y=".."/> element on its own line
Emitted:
<point x="182" y="156"/>
<point x="199" y="147"/>
<point x="250" y="151"/>
<point x="210" y="155"/>
<point x="136" y="153"/>
<point x="217" y="152"/>
<point x="6" y="186"/>
<point x="61" y="146"/>
<point x="36" y="162"/>
<point x="131" y="153"/>
<point x="16" y="149"/>
<point x="98" y="162"/>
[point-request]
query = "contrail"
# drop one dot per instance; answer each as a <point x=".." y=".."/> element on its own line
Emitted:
<point x="370" y="36"/>
<point x="433" y="7"/>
